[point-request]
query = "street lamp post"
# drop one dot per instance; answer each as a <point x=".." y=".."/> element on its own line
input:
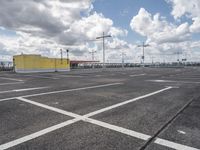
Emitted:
<point x="143" y="46"/>
<point x="92" y="52"/>
<point x="123" y="54"/>
<point x="61" y="55"/>
<point x="103" y="46"/>
<point x="152" y="58"/>
<point x="67" y="56"/>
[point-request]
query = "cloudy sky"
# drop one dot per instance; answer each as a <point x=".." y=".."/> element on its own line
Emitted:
<point x="45" y="26"/>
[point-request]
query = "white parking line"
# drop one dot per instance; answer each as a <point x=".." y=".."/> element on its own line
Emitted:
<point x="137" y="75"/>
<point x="42" y="77"/>
<point x="93" y="121"/>
<point x="22" y="90"/>
<point x="62" y="91"/>
<point x="119" y="129"/>
<point x="170" y="81"/>
<point x="49" y="107"/>
<point x="162" y="81"/>
<point x="12" y="79"/>
<point x="173" y="145"/>
<point x="36" y="134"/>
<point x="188" y="78"/>
<point x="98" y="75"/>
<point x="11" y="83"/>
<point x="84" y="118"/>
<point x="126" y="102"/>
<point x="69" y="76"/>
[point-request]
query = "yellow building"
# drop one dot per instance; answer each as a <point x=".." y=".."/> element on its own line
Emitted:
<point x="37" y="63"/>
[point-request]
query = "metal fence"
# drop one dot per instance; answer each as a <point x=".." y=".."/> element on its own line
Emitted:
<point x="6" y="66"/>
<point x="131" y="65"/>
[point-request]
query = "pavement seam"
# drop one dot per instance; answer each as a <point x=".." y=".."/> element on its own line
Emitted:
<point x="154" y="137"/>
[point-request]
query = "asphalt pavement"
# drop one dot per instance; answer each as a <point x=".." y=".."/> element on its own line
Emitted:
<point x="112" y="109"/>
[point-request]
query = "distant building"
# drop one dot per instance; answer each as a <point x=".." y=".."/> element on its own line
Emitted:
<point x="36" y="63"/>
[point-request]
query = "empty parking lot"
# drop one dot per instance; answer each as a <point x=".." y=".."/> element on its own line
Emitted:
<point x="139" y="108"/>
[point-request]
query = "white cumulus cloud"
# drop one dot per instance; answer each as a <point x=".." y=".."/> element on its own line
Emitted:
<point x="190" y="9"/>
<point x="157" y="29"/>
<point x="45" y="26"/>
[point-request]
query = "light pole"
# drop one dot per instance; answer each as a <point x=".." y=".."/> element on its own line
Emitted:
<point x="68" y="62"/>
<point x="61" y="55"/>
<point x="67" y="56"/>
<point x="92" y="52"/>
<point x="123" y="54"/>
<point x="103" y="46"/>
<point x="178" y="56"/>
<point x="152" y="58"/>
<point x="143" y="46"/>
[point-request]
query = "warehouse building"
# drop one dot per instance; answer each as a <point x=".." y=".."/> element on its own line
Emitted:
<point x="37" y="63"/>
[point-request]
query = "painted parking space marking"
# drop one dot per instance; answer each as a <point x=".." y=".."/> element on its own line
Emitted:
<point x="164" y="142"/>
<point x="93" y="121"/>
<point x="49" y="107"/>
<point x="171" y="81"/>
<point x="161" y="81"/>
<point x="37" y="134"/>
<point x="118" y="129"/>
<point x="127" y="102"/>
<point x="41" y="77"/>
<point x="188" y="78"/>
<point x="181" y="132"/>
<point x="69" y="76"/>
<point x="173" y="145"/>
<point x="98" y="75"/>
<point x="77" y="118"/>
<point x="11" y="79"/>
<point x="85" y="117"/>
<point x="11" y="83"/>
<point x="137" y="75"/>
<point x="22" y="90"/>
<point x="62" y="91"/>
